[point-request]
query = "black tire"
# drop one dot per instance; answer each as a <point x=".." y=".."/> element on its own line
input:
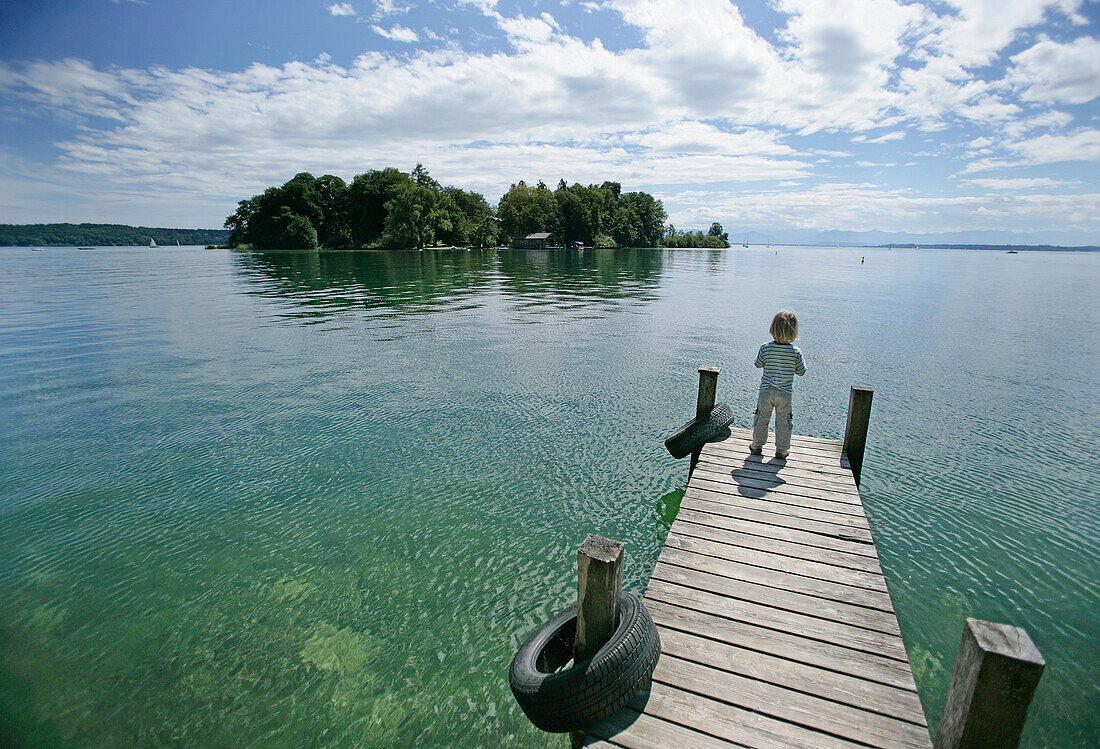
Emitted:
<point x="693" y="435"/>
<point x="590" y="691"/>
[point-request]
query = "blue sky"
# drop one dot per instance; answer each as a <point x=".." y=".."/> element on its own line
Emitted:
<point x="777" y="117"/>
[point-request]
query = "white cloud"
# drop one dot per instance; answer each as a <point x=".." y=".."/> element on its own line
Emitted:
<point x="1058" y="73"/>
<point x="1084" y="145"/>
<point x="862" y="207"/>
<point x="386" y="8"/>
<point x="896" y="135"/>
<point x="848" y="45"/>
<point x="1048" y="149"/>
<point x="341" y="9"/>
<point x="703" y="99"/>
<point x="1048" y="120"/>
<point x="1015" y="183"/>
<point x="486" y="6"/>
<point x="981" y="28"/>
<point x="397" y="33"/>
<point x="527" y="32"/>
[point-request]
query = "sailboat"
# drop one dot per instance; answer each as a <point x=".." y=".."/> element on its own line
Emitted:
<point x="152" y="243"/>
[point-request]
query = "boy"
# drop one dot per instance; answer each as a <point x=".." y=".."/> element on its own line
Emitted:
<point x="781" y="361"/>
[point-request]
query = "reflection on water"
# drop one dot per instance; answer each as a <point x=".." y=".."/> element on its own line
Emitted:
<point x="323" y="284"/>
<point x="318" y="498"/>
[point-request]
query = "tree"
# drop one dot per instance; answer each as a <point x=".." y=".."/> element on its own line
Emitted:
<point x="716" y="231"/>
<point x="413" y="217"/>
<point x="334" y="230"/>
<point x="366" y="203"/>
<point x="263" y="220"/>
<point x="524" y="209"/>
<point x="421" y="177"/>
<point x="639" y="220"/>
<point x="238" y="223"/>
<point x="471" y="218"/>
<point x="296" y="232"/>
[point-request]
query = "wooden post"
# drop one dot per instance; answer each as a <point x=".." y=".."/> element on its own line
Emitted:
<point x="855" y="431"/>
<point x="996" y="672"/>
<point x="708" y="386"/>
<point x="599" y="585"/>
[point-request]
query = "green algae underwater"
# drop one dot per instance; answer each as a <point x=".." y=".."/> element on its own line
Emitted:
<point x="318" y="499"/>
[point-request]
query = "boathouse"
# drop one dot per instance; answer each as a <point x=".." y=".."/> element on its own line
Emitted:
<point x="537" y="241"/>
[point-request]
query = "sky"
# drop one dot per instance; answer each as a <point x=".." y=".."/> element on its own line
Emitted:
<point x="778" y="117"/>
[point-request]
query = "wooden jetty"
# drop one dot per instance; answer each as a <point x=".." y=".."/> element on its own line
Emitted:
<point x="776" y="625"/>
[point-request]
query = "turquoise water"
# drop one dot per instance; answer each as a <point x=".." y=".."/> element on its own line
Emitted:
<point x="302" y="499"/>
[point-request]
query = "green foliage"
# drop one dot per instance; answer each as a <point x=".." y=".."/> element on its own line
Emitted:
<point x="471" y="219"/>
<point x="414" y="216"/>
<point x="675" y="238"/>
<point x="366" y="203"/>
<point x="523" y="210"/>
<point x="391" y="208"/>
<point x="596" y="215"/>
<point x="105" y="235"/>
<point x="295" y="231"/>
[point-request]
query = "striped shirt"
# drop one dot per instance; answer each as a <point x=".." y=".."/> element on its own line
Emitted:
<point x="781" y="362"/>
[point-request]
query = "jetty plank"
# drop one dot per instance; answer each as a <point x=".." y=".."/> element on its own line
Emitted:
<point x="772" y="531"/>
<point x="776" y="623"/>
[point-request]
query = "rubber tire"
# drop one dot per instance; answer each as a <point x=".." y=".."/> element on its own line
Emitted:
<point x="590" y="691"/>
<point x="693" y="435"/>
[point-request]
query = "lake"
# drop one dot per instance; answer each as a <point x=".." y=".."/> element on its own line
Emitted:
<point x="305" y="499"/>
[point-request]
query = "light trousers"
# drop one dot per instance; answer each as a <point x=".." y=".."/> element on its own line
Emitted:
<point x="779" y="400"/>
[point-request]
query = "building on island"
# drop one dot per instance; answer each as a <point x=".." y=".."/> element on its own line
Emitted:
<point x="538" y="241"/>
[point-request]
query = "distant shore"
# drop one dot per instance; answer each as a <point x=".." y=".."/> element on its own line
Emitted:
<point x="1002" y="247"/>
<point x="122" y="235"/>
<point x="104" y="235"/>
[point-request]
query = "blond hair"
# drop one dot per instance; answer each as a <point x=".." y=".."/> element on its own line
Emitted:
<point x="784" y="327"/>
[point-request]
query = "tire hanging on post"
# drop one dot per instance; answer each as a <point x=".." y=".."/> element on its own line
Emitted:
<point x="697" y="432"/>
<point x="591" y="691"/>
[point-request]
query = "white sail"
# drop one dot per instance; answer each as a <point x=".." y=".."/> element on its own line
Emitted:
<point x="152" y="243"/>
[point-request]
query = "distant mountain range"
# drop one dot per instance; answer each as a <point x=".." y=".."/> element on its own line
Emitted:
<point x="879" y="238"/>
<point x="104" y="235"/>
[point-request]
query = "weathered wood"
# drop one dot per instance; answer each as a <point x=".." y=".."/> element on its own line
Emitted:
<point x="731" y="723"/>
<point x="675" y="587"/>
<point x="776" y="624"/>
<point x="803" y="472"/>
<point x="874" y="601"/>
<point x="778" y="547"/>
<point x="823" y="447"/>
<point x="787" y="495"/>
<point x="781" y="483"/>
<point x="797" y="495"/>
<point x="855" y="430"/>
<point x="634" y="730"/>
<point x="754" y="636"/>
<point x="769" y="531"/>
<point x="599" y="587"/>
<point x="774" y="513"/>
<point x="773" y="467"/>
<point x="847" y="721"/>
<point x="795" y="602"/>
<point x="704" y="404"/>
<point x="832" y="685"/>
<point x="769" y="560"/>
<point x="996" y="672"/>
